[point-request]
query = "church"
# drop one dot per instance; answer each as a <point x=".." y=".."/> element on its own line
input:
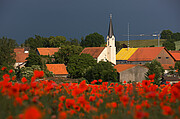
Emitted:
<point x="107" y="53"/>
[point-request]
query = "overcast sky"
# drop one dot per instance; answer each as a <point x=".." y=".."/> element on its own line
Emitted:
<point x="21" y="19"/>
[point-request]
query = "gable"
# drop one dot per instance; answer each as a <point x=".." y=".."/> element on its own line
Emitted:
<point x="93" y="51"/>
<point x="164" y="57"/>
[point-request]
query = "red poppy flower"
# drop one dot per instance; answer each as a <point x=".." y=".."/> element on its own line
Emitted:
<point x="62" y="98"/>
<point x="25" y="97"/>
<point x="62" y="115"/>
<point x="6" y="77"/>
<point x="152" y="76"/>
<point x="32" y="112"/>
<point x="24" y="80"/>
<point x="14" y="78"/>
<point x="38" y="74"/>
<point x="60" y="106"/>
<point x="141" y="115"/>
<point x="138" y="107"/>
<point x="10" y="117"/>
<point x="76" y="92"/>
<point x="100" y="80"/>
<point x="167" y="110"/>
<point x="92" y="98"/>
<point x="93" y="82"/>
<point x="77" y="108"/>
<point x="146" y="83"/>
<point x="114" y="104"/>
<point x="124" y="100"/>
<point x="10" y="71"/>
<point x="3" y="68"/>
<point x="69" y="103"/>
<point x="124" y="82"/>
<point x="33" y="79"/>
<point x="19" y="100"/>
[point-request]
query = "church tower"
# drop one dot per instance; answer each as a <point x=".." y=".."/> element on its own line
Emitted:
<point x="111" y="48"/>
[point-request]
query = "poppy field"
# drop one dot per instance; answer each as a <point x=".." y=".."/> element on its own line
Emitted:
<point x="45" y="99"/>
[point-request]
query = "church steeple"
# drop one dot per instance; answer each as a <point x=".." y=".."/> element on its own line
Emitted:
<point x="111" y="48"/>
<point x="110" y="32"/>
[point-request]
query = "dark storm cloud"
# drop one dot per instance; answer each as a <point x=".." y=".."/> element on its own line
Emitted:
<point x="20" y="19"/>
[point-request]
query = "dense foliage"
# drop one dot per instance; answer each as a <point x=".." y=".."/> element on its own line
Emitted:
<point x="169" y="44"/>
<point x="93" y="40"/>
<point x="65" y="52"/>
<point x="102" y="70"/>
<point x="155" y="68"/>
<point x="171" y="38"/>
<point x="52" y="41"/>
<point x="7" y="55"/>
<point x="48" y="100"/>
<point x="33" y="59"/>
<point x="79" y="64"/>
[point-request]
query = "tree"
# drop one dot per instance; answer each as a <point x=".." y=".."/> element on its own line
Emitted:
<point x="65" y="52"/>
<point x="155" y="68"/>
<point x="120" y="46"/>
<point x="7" y="56"/>
<point x="74" y="41"/>
<point x="166" y="34"/>
<point x="93" y="40"/>
<point x="79" y="64"/>
<point x="102" y="70"/>
<point x="34" y="43"/>
<point x="169" y="44"/>
<point x="29" y="71"/>
<point x="57" y="41"/>
<point x="33" y="59"/>
<point x="176" y="36"/>
<point x="177" y="67"/>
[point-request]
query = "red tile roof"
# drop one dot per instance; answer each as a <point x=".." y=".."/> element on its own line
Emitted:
<point x="166" y="66"/>
<point x="123" y="67"/>
<point x="145" y="54"/>
<point x="20" y="55"/>
<point x="93" y="51"/>
<point x="47" y="51"/>
<point x="176" y="55"/>
<point x="57" y="68"/>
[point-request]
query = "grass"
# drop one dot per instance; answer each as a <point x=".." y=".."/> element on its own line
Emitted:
<point x="143" y="43"/>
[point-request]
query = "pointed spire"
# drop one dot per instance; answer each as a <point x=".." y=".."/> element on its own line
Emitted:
<point x="110" y="32"/>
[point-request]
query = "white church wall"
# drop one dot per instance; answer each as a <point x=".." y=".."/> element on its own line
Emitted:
<point x="103" y="55"/>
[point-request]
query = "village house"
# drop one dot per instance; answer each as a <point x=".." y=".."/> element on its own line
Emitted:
<point x="59" y="70"/>
<point x="21" y="55"/>
<point x="145" y="55"/>
<point x="104" y="53"/>
<point x="131" y="72"/>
